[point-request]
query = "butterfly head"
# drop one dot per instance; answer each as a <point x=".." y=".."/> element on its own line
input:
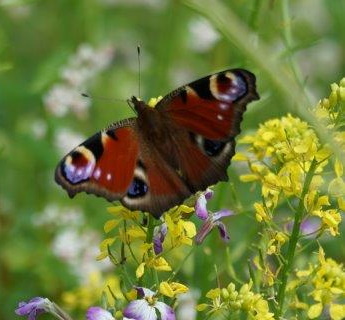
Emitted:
<point x="138" y="104"/>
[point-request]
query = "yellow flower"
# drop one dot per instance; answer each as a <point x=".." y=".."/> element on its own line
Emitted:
<point x="104" y="248"/>
<point x="337" y="311"/>
<point x="121" y="213"/>
<point x="172" y="289"/>
<point x="157" y="263"/>
<point x="243" y="300"/>
<point x="274" y="245"/>
<point x="88" y="294"/>
<point x="261" y="212"/>
<point x="328" y="282"/>
<point x="180" y="231"/>
<point x="315" y="310"/>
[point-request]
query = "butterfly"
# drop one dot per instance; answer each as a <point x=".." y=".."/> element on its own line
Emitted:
<point x="156" y="160"/>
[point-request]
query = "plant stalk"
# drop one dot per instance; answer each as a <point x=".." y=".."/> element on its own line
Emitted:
<point x="294" y="240"/>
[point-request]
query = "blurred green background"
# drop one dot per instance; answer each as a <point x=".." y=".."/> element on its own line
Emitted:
<point x="52" y="51"/>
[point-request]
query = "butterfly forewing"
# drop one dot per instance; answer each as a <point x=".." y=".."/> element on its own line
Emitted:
<point x="103" y="164"/>
<point x="212" y="106"/>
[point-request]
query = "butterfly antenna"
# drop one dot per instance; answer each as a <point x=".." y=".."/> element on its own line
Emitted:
<point x="89" y="96"/>
<point x="129" y="102"/>
<point x="139" y="70"/>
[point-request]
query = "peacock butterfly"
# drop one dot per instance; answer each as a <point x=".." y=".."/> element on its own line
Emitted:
<point x="158" y="159"/>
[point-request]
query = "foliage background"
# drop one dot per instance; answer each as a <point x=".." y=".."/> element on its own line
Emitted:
<point x="180" y="41"/>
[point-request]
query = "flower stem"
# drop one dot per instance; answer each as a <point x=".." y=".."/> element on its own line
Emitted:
<point x="294" y="239"/>
<point x="59" y="313"/>
<point x="149" y="239"/>
<point x="150" y="229"/>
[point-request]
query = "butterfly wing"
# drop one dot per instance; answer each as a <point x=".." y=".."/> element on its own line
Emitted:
<point x="212" y="106"/>
<point x="165" y="188"/>
<point x="103" y="165"/>
<point x="118" y="163"/>
<point x="210" y="112"/>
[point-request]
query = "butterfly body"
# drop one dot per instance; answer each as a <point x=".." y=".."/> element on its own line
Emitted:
<point x="167" y="153"/>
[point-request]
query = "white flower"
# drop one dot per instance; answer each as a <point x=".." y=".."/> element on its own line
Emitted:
<point x="202" y="35"/>
<point x="66" y="140"/>
<point x="61" y="98"/>
<point x="39" y="128"/>
<point x="58" y="216"/>
<point x="81" y="68"/>
<point x="97" y="313"/>
<point x="146" y="308"/>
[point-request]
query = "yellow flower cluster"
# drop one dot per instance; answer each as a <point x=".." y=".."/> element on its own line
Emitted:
<point x="226" y="300"/>
<point x="172" y="289"/>
<point x="89" y="293"/>
<point x="132" y="234"/>
<point x="331" y="110"/>
<point x="327" y="278"/>
<point x="180" y="231"/>
<point x="280" y="154"/>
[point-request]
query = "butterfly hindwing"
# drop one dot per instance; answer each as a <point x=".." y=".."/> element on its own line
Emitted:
<point x="119" y="163"/>
<point x="165" y="187"/>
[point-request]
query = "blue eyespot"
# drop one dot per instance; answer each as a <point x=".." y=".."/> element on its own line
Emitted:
<point x="138" y="188"/>
<point x="213" y="148"/>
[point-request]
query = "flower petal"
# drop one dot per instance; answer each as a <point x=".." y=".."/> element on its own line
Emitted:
<point x="144" y="292"/>
<point x="208" y="193"/>
<point x="222" y="213"/>
<point x="98" y="313"/>
<point x="167" y="313"/>
<point x="222" y="231"/>
<point x="200" y="207"/>
<point x="33" y="308"/>
<point x="159" y="235"/>
<point x="140" y="310"/>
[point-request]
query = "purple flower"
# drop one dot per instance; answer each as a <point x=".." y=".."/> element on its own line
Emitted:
<point x="308" y="227"/>
<point x="97" y="313"/>
<point x="210" y="219"/>
<point x="159" y="235"/>
<point x="200" y="205"/>
<point x="33" y="308"/>
<point x="146" y="307"/>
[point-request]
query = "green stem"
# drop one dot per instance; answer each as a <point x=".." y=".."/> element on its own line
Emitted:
<point x="150" y="229"/>
<point x="177" y="270"/>
<point x="294" y="239"/>
<point x="149" y="239"/>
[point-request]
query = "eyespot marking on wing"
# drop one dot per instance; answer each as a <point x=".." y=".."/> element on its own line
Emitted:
<point x="78" y="165"/>
<point x="227" y="87"/>
<point x="137" y="189"/>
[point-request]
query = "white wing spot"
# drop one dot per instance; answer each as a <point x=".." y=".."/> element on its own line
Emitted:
<point x="220" y="117"/>
<point x="108" y="176"/>
<point x="97" y="173"/>
<point x="224" y="106"/>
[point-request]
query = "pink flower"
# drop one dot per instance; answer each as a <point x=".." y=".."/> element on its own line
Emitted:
<point x="210" y="219"/>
